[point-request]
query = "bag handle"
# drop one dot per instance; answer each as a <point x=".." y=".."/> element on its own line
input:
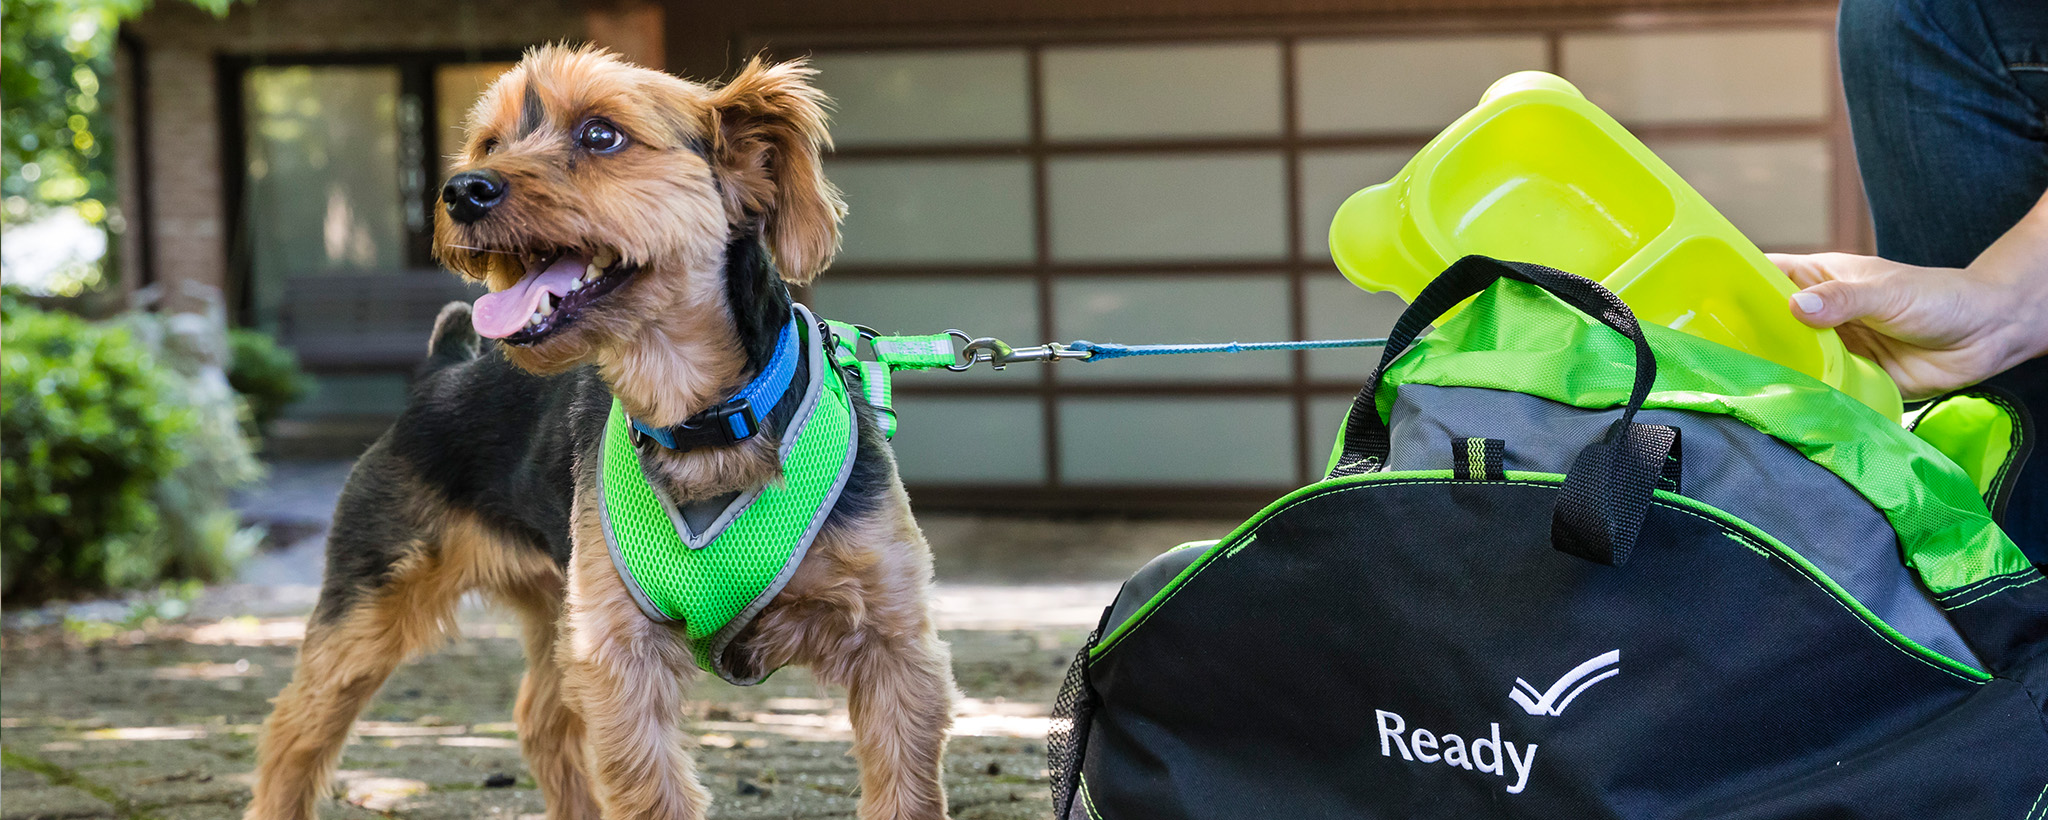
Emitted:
<point x="1601" y="506"/>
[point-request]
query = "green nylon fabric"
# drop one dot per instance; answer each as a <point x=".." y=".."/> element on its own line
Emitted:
<point x="1975" y="433"/>
<point x="1245" y="533"/>
<point x="707" y="588"/>
<point x="1515" y="336"/>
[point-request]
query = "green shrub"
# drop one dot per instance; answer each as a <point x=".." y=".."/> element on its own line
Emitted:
<point x="89" y="425"/>
<point x="267" y="376"/>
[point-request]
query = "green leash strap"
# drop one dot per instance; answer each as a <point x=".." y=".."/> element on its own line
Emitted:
<point x="892" y="353"/>
<point x="920" y="352"/>
<point x="716" y="582"/>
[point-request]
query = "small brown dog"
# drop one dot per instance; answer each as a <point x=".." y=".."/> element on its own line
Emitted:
<point x="625" y="221"/>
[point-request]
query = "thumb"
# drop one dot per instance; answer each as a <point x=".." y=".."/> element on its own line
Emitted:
<point x="1834" y="302"/>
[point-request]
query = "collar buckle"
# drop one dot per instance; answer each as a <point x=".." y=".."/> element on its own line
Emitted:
<point x="727" y="424"/>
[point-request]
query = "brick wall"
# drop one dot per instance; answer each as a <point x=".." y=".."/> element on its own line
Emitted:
<point x="178" y="149"/>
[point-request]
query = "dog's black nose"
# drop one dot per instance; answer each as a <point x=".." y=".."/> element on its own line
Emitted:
<point x="471" y="194"/>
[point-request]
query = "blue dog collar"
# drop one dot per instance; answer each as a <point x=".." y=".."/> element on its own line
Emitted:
<point x="740" y="417"/>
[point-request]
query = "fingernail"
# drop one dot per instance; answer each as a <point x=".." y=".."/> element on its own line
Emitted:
<point x="1807" y="302"/>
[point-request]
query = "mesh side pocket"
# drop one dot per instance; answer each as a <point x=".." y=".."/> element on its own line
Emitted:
<point x="1067" y="735"/>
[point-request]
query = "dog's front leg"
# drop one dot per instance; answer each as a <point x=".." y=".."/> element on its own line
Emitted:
<point x="627" y="677"/>
<point x="900" y="694"/>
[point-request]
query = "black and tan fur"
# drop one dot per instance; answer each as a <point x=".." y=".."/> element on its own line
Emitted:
<point x="486" y="482"/>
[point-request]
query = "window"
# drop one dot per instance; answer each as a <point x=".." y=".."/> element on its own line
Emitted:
<point x="323" y="191"/>
<point x="341" y="162"/>
<point x="1175" y="191"/>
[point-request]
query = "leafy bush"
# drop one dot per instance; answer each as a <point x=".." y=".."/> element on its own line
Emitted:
<point x="267" y="376"/>
<point x="88" y="428"/>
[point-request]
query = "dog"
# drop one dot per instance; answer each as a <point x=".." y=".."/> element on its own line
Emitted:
<point x="686" y="208"/>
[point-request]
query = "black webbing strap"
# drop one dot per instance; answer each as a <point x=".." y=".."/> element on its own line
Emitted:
<point x="1601" y="507"/>
<point x="1608" y="491"/>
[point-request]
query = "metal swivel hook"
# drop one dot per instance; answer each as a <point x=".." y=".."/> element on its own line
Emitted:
<point x="999" y="353"/>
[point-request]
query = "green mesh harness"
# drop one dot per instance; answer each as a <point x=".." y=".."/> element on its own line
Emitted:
<point x="715" y="582"/>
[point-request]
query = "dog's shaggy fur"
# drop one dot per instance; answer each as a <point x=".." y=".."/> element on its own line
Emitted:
<point x="487" y="481"/>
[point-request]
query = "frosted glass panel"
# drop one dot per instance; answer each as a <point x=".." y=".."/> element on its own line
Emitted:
<point x="322" y="188"/>
<point x="974" y="440"/>
<point x="1202" y="206"/>
<point x="1330" y="177"/>
<point x="930" y="210"/>
<point x="1325" y="418"/>
<point x="1708" y="76"/>
<point x="1365" y="86"/>
<point x="921" y="97"/>
<point x="1216" y="442"/>
<point x="1338" y="309"/>
<point x="1222" y="89"/>
<point x="456" y="88"/>
<point x="1175" y="310"/>
<point x="1776" y="192"/>
<point x="1003" y="307"/>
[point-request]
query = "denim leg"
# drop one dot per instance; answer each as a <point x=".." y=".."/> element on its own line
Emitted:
<point x="1948" y="104"/>
<point x="1953" y="149"/>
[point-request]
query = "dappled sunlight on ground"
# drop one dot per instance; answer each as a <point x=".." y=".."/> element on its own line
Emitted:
<point x="163" y="722"/>
<point x="107" y="713"/>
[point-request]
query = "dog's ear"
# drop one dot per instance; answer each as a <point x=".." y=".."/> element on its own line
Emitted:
<point x="769" y="128"/>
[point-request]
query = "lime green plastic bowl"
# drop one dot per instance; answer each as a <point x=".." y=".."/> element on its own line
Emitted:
<point x="1538" y="174"/>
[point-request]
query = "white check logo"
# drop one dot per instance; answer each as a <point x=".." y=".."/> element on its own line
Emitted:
<point x="1560" y="694"/>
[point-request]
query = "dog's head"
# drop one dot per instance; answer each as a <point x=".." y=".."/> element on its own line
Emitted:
<point x="595" y="197"/>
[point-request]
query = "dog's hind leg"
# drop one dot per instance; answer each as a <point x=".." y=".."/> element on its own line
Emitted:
<point x="627" y="675"/>
<point x="397" y="566"/>
<point x="384" y="599"/>
<point x="550" y="732"/>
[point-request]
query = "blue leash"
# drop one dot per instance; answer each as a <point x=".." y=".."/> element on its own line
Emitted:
<point x="1104" y="351"/>
<point x="999" y="353"/>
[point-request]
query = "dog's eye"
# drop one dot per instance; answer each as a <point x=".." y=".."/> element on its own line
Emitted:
<point x="491" y="145"/>
<point x="600" y="136"/>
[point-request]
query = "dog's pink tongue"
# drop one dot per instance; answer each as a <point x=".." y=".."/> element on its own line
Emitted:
<point x="501" y="314"/>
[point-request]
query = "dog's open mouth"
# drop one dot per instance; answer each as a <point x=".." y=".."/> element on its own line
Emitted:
<point x="554" y="291"/>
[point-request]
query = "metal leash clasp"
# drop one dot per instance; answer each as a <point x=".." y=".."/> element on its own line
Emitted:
<point x="999" y="353"/>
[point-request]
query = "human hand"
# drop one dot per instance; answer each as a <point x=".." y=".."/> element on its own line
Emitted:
<point x="1932" y="329"/>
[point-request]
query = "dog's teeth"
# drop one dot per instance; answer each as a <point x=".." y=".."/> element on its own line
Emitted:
<point x="575" y="286"/>
<point x="592" y="271"/>
<point x="535" y="319"/>
<point x="545" y="309"/>
<point x="603" y="260"/>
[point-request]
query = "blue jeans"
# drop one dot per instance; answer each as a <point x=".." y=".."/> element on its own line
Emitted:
<point x="1948" y="104"/>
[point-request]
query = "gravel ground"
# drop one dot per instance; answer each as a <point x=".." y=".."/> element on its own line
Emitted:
<point x="160" y="723"/>
<point x="107" y="712"/>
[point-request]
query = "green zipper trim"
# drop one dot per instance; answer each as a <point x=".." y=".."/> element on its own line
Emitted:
<point x="1757" y="537"/>
<point x="1807" y="567"/>
<point x="1224" y="544"/>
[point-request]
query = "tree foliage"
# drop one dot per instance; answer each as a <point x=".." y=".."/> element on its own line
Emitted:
<point x="56" y="76"/>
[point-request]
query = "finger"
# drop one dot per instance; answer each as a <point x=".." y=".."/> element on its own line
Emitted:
<point x="1833" y="302"/>
<point x="1803" y="269"/>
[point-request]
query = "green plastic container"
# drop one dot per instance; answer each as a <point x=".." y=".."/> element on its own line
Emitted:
<point x="1538" y="174"/>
